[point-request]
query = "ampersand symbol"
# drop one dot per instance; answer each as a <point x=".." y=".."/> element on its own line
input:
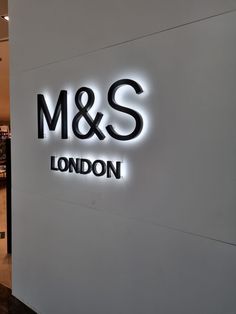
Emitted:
<point x="83" y="112"/>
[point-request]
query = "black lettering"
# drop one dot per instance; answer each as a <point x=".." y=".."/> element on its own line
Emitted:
<point x="53" y="166"/>
<point x="137" y="117"/>
<point x="43" y="111"/>
<point x="102" y="171"/>
<point x="74" y="164"/>
<point x="63" y="164"/>
<point x="84" y="162"/>
<point x="83" y="112"/>
<point x="115" y="169"/>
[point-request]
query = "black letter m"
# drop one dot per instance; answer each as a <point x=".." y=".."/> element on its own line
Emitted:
<point x="43" y="111"/>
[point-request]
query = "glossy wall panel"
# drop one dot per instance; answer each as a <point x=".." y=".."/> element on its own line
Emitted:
<point x="162" y="238"/>
<point x="108" y="264"/>
<point x="58" y="30"/>
<point x="181" y="172"/>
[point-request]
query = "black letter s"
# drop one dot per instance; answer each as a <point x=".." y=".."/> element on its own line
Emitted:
<point x="138" y="118"/>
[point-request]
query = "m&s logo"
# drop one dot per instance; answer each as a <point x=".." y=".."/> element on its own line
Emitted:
<point x="82" y="165"/>
<point x="83" y="112"/>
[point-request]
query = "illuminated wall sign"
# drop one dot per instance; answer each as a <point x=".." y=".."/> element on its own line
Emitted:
<point x="85" y="166"/>
<point x="61" y="108"/>
<point x="81" y="165"/>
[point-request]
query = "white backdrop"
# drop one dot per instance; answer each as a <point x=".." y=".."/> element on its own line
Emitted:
<point x="162" y="239"/>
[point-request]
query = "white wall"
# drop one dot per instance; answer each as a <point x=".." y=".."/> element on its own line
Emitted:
<point x="162" y="240"/>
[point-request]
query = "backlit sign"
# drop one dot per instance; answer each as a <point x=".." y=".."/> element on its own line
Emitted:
<point x="81" y="165"/>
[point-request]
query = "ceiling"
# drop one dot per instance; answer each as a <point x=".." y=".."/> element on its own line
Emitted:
<point x="3" y="23"/>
